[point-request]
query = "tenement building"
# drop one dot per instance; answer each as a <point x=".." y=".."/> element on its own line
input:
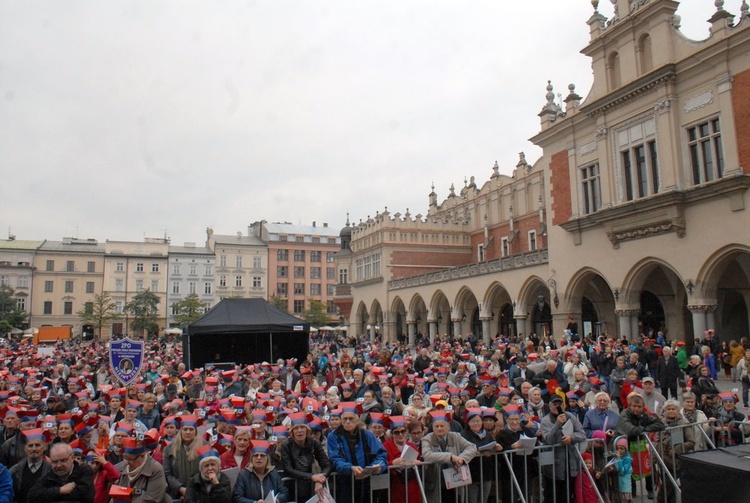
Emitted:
<point x="633" y="219"/>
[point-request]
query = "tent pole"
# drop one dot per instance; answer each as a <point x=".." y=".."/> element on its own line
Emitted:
<point x="270" y="349"/>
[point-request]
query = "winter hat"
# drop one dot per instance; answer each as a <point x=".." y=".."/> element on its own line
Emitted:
<point x="621" y="442"/>
<point x="207" y="453"/>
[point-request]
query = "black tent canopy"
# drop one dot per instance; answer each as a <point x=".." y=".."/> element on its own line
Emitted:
<point x="245" y="331"/>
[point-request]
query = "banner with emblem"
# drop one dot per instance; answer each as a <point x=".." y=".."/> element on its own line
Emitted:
<point x="126" y="359"/>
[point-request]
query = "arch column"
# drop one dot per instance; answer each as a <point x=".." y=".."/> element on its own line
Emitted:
<point x="456" y="327"/>
<point x="701" y="318"/>
<point x="372" y="321"/>
<point x="523" y="321"/>
<point x="389" y="331"/>
<point x="626" y="320"/>
<point x="411" y="327"/>
<point x="433" y="324"/>
<point x="486" y="327"/>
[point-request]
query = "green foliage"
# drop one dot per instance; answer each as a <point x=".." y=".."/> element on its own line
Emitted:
<point x="102" y="313"/>
<point x="10" y="316"/>
<point x="316" y="314"/>
<point x="188" y="309"/>
<point x="144" y="308"/>
<point x="279" y="303"/>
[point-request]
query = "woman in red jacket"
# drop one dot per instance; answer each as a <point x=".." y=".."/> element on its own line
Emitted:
<point x="105" y="474"/>
<point x="239" y="455"/>
<point x="630" y="385"/>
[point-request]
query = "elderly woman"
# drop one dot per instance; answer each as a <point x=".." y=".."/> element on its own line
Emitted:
<point x="444" y="449"/>
<point x="210" y="485"/>
<point x="601" y="417"/>
<point x="255" y="482"/>
<point x="143" y="474"/>
<point x="181" y="456"/>
<point x="239" y="454"/>
<point x="352" y="450"/>
<point x="698" y="419"/>
<point x="403" y="478"/>
<point x="298" y="455"/>
<point x="483" y="465"/>
<point x="629" y="386"/>
<point x="677" y="439"/>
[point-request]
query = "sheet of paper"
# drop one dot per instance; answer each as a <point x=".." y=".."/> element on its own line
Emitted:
<point x="457" y="478"/>
<point x="527" y="444"/>
<point x="270" y="498"/>
<point x="409" y="454"/>
<point x="567" y="428"/>
<point x="488" y="447"/>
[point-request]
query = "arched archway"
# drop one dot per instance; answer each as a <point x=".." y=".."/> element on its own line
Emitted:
<point x="724" y="281"/>
<point x="467" y="312"/>
<point x="376" y="320"/>
<point x="362" y="319"/>
<point x="499" y="305"/>
<point x="591" y="302"/>
<point x="418" y="312"/>
<point x="398" y="316"/>
<point x="535" y="300"/>
<point x="440" y="314"/>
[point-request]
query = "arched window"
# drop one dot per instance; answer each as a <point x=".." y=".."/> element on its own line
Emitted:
<point x="644" y="50"/>
<point x="613" y="63"/>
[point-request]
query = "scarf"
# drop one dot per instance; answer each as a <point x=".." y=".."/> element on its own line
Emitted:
<point x="366" y="407"/>
<point x="134" y="474"/>
<point x="185" y="467"/>
<point x="691" y="416"/>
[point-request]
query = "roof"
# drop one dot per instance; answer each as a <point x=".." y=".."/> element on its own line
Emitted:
<point x="230" y="239"/>
<point x="20" y="244"/>
<point x="301" y="230"/>
<point x="76" y="247"/>
<point x="247" y="316"/>
<point x="190" y="250"/>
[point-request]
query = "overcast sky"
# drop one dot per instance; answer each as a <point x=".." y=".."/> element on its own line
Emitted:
<point x="120" y="120"/>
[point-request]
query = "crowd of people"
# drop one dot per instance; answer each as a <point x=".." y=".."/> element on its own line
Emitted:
<point x="571" y="415"/>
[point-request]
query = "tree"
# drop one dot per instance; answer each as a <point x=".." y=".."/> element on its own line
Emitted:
<point x="189" y="309"/>
<point x="102" y="312"/>
<point x="10" y="315"/>
<point x="145" y="310"/>
<point x="279" y="303"/>
<point x="316" y="313"/>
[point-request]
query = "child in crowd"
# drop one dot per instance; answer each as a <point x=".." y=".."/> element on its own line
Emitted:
<point x="584" y="487"/>
<point x="624" y="469"/>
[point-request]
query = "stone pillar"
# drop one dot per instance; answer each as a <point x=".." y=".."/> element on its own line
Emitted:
<point x="412" y="331"/>
<point x="486" y="327"/>
<point x="627" y="321"/>
<point x="456" y="328"/>
<point x="523" y="320"/>
<point x="711" y="318"/>
<point x="389" y="331"/>
<point x="699" y="313"/>
<point x="373" y="321"/>
<point x="433" y="329"/>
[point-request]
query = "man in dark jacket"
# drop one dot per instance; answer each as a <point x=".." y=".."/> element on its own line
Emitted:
<point x="635" y="421"/>
<point x="33" y="468"/>
<point x="209" y="485"/>
<point x="668" y="370"/>
<point x="298" y="453"/>
<point x="68" y="480"/>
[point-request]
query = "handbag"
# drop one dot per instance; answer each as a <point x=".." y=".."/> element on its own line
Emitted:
<point x="641" y="459"/>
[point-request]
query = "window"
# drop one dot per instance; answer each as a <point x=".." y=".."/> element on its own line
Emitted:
<point x="207" y="288"/>
<point x="70" y="266"/>
<point x="238" y="281"/>
<point x="316" y="239"/>
<point x="67" y="307"/>
<point x="154" y="285"/>
<point x="49" y="286"/>
<point x="329" y="257"/>
<point x="257" y="262"/>
<point x="192" y="287"/>
<point x="88" y="308"/>
<point x="257" y="282"/>
<point x="282" y="289"/>
<point x="238" y="261"/>
<point x="532" y="240"/>
<point x="89" y="287"/>
<point x="282" y="238"/>
<point x="47" y="307"/>
<point x="21" y="303"/>
<point x="223" y="280"/>
<point x="480" y="253"/>
<point x="119" y="307"/>
<point x="330" y="273"/>
<point x="504" y="247"/>
<point x="299" y="272"/>
<point x="331" y="241"/>
<point x="343" y="276"/>
<point x="299" y="289"/>
<point x="176" y="287"/>
<point x="706" y="152"/>
<point x="282" y="271"/>
<point x="139" y="267"/>
<point x="68" y="286"/>
<point x="638" y="158"/>
<point x="315" y="256"/>
<point x="50" y="265"/>
<point x="299" y="306"/>
<point x="330" y="290"/>
<point x="4" y="281"/>
<point x="222" y="261"/>
<point x="300" y="239"/>
<point x="282" y="255"/>
<point x="176" y="269"/>
<point x="139" y="285"/>
<point x="299" y="255"/>
<point x="193" y="269"/>
<point x="120" y="267"/>
<point x="91" y="267"/>
<point x="590" y="189"/>
<point x="119" y="285"/>
<point x="315" y="289"/>
<point x="209" y="270"/>
<point x="23" y="282"/>
<point x="315" y="272"/>
<point x="375" y="265"/>
<point x="331" y="308"/>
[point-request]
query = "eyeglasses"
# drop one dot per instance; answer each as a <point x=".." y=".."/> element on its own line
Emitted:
<point x="259" y="455"/>
<point x="399" y="432"/>
<point x="60" y="461"/>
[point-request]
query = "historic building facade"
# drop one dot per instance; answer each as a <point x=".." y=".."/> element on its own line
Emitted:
<point x="241" y="265"/>
<point x="192" y="270"/>
<point x="633" y="220"/>
<point x="17" y="269"/>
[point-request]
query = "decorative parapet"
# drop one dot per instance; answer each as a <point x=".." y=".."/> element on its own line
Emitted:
<point x="672" y="225"/>
<point x="519" y="261"/>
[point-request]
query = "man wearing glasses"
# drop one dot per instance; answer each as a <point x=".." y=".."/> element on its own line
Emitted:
<point x="68" y="480"/>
